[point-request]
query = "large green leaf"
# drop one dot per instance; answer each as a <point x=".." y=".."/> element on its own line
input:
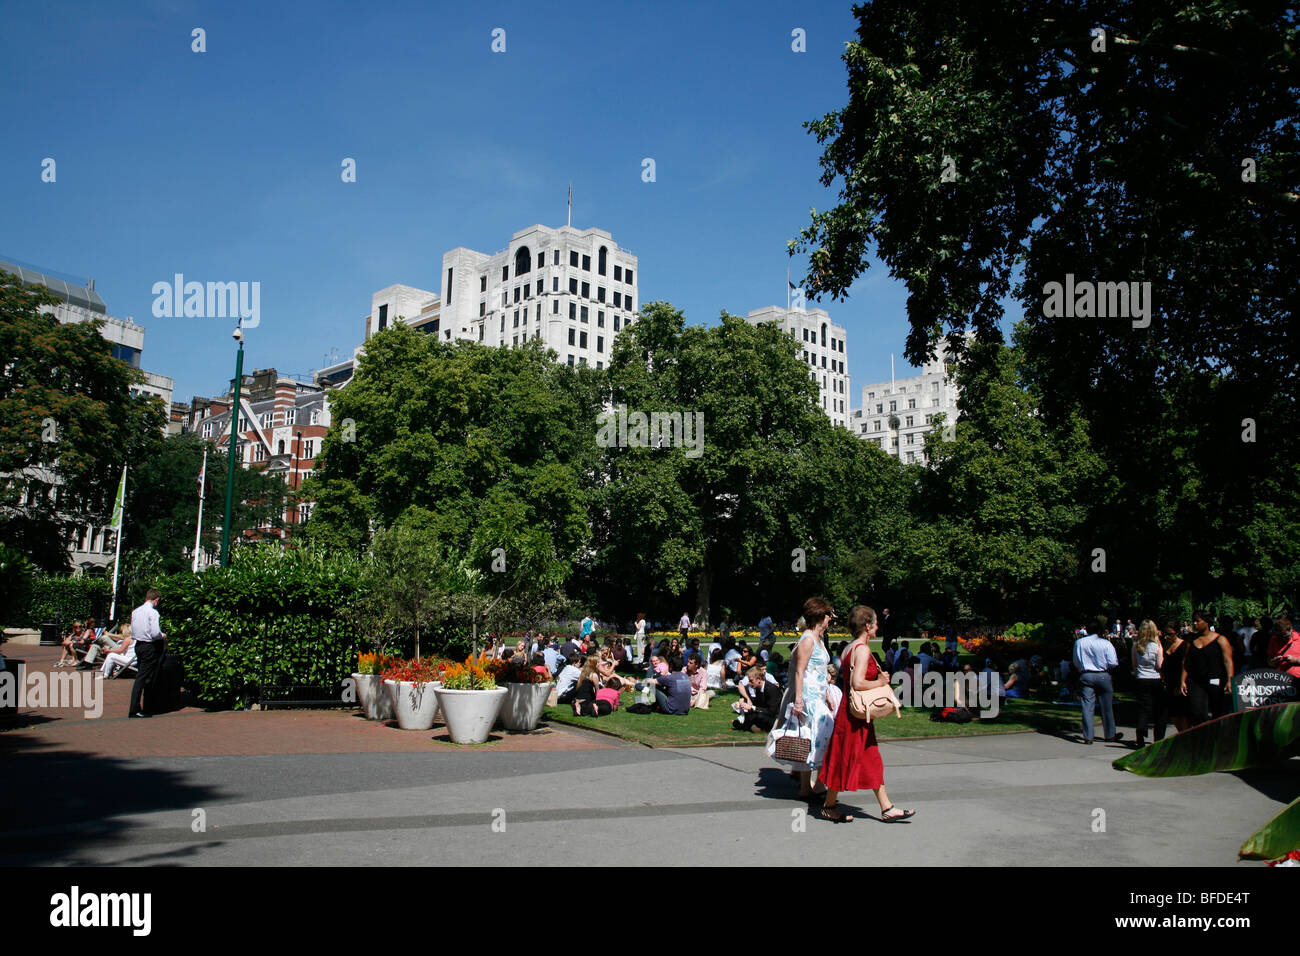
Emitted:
<point x="1276" y="838"/>
<point x="1234" y="742"/>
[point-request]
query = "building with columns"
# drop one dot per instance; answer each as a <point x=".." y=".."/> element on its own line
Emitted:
<point x="822" y="346"/>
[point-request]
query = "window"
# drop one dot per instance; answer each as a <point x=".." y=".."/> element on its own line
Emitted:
<point x="908" y="420"/>
<point x="600" y="365"/>
<point x="875" y="426"/>
<point x="555" y="307"/>
<point x="291" y="416"/>
<point x="516" y="318"/>
<point x="911" y="403"/>
<point x="570" y="361"/>
<point x="516" y="340"/>
<point x="573" y="287"/>
<point x="601" y="261"/>
<point x="934" y="386"/>
<point x="582" y="340"/>
<point x="627" y="276"/>
<point x="618" y="299"/>
<point x="573" y="310"/>
<point x="823" y="335"/>
<point x="929" y="419"/>
<point x="541" y="258"/>
<point x="505" y="297"/>
<point x="449" y="287"/>
<point x="616" y="323"/>
<point x="526" y="314"/>
<point x="583" y="312"/>
<point x="555" y="283"/>
<point x="383" y="316"/>
<point x="482" y="283"/>
<point x="573" y="261"/>
<point x="600" y="294"/>
<point x="911" y="439"/>
<point x="805" y="335"/>
<point x="309" y="448"/>
<point x="505" y="273"/>
<point x="600" y="320"/>
<point x="586" y="263"/>
<point x="264" y="420"/>
<point x="482" y="309"/>
<point x="556" y="260"/>
<point x="516" y="293"/>
<point x="503" y="323"/>
<point x="528" y="290"/>
<point x="586" y="290"/>
<point x="823" y="364"/>
<point x="206" y="430"/>
<point x="618" y="273"/>
<point x="893" y="406"/>
<point x="572" y="335"/>
<point x="481" y="329"/>
<point x="880" y="408"/>
<point x="600" y="343"/>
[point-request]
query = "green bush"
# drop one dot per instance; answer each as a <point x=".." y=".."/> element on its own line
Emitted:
<point x="15" y="585"/>
<point x="63" y="599"/>
<point x="273" y="617"/>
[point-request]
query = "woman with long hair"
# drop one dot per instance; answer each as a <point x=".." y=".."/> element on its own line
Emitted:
<point x="1148" y="657"/>
<point x="806" y="689"/>
<point x="853" y="758"/>
<point x="585" y="701"/>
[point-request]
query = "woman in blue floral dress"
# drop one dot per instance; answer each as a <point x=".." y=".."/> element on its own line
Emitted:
<point x="807" y="688"/>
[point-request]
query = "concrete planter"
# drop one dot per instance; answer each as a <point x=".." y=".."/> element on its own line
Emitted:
<point x="413" y="704"/>
<point x="372" y="696"/>
<point x="524" y="705"/>
<point x="470" y="714"/>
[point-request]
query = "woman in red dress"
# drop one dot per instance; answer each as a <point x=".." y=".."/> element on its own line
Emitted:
<point x="852" y="758"/>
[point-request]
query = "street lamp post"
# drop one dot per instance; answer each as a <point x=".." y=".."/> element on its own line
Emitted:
<point x="234" y="444"/>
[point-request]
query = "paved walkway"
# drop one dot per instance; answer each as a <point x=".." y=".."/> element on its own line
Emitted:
<point x="328" y="788"/>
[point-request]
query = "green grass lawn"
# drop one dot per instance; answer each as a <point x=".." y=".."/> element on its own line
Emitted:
<point x="701" y="728"/>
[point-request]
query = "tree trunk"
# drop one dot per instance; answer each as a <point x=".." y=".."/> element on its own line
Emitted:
<point x="703" y="587"/>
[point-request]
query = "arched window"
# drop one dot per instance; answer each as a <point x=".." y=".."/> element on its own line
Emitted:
<point x="601" y="262"/>
<point x="523" y="260"/>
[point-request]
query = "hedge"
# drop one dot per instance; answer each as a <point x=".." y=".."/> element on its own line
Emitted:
<point x="63" y="599"/>
<point x="271" y="618"/>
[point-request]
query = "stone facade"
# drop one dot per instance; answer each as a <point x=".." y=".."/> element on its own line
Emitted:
<point x="822" y="345"/>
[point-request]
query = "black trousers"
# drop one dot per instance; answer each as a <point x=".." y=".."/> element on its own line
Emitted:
<point x="1153" y="708"/>
<point x="148" y="656"/>
<point x="1205" y="701"/>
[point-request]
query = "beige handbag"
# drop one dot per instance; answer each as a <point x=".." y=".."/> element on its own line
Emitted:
<point x="870" y="704"/>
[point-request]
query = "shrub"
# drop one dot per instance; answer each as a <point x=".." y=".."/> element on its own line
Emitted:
<point x="271" y="618"/>
<point x="57" y="598"/>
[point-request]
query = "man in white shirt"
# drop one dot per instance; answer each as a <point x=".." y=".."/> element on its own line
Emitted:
<point x="148" y="638"/>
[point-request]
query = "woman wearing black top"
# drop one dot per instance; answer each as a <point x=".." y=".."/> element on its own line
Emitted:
<point x="1172" y="672"/>
<point x="1207" y="671"/>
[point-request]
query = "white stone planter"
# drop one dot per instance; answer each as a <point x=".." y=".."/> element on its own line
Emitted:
<point x="470" y="714"/>
<point x="524" y="705"/>
<point x="372" y="696"/>
<point x="414" y="704"/>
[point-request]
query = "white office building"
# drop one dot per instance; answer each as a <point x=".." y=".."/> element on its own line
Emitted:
<point x="898" y="414"/>
<point x="574" y="289"/>
<point x="822" y="346"/>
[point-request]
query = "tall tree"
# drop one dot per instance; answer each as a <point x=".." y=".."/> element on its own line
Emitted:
<point x="68" y="422"/>
<point x="988" y="151"/>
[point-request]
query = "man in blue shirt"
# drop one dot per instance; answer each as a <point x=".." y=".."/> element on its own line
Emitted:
<point x="765" y="628"/>
<point x="552" y="656"/>
<point x="673" y="690"/>
<point x="1094" y="657"/>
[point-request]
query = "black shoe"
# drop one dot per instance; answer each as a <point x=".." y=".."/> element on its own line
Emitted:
<point x="1116" y="738"/>
<point x="139" y="713"/>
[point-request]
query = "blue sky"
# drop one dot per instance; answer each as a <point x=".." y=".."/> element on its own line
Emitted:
<point x="225" y="165"/>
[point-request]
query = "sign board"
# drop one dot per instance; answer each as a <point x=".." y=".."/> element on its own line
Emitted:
<point x="1263" y="686"/>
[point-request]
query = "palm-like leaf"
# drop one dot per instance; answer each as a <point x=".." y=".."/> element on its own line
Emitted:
<point x="1276" y="838"/>
<point x="1234" y="742"/>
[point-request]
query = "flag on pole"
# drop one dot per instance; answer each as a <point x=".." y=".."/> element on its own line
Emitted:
<point x="119" y="502"/>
